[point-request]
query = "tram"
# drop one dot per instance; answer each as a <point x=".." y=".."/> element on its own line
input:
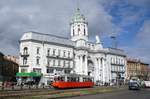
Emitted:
<point x="72" y="81"/>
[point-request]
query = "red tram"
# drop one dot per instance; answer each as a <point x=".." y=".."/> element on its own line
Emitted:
<point x="72" y="81"/>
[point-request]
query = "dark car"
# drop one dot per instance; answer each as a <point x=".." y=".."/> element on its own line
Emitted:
<point x="134" y="84"/>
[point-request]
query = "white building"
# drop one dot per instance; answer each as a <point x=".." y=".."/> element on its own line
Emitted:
<point x="51" y="55"/>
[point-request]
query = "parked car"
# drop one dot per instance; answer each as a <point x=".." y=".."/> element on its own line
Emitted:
<point x="134" y="84"/>
<point x="147" y="84"/>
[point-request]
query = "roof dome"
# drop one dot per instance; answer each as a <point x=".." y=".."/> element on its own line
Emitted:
<point x="78" y="17"/>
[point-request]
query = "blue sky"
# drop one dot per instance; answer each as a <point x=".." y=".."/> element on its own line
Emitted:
<point x="129" y="20"/>
<point x="131" y="17"/>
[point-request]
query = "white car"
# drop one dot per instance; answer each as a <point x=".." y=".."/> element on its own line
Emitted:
<point x="147" y="84"/>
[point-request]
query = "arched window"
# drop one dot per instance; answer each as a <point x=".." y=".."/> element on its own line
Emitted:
<point x="78" y="30"/>
<point x="25" y="50"/>
<point x="37" y="61"/>
<point x="84" y="31"/>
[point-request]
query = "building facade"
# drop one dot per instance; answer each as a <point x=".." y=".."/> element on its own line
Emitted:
<point x="51" y="55"/>
<point x="8" y="69"/>
<point x="137" y="68"/>
<point x="12" y="58"/>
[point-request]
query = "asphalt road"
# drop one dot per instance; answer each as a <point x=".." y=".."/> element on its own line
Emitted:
<point x="125" y="94"/>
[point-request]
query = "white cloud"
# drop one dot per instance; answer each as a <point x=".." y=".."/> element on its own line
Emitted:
<point x="53" y="16"/>
<point x="48" y="16"/>
<point x="144" y="33"/>
<point x="141" y="49"/>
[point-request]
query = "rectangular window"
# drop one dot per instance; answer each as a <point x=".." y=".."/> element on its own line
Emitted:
<point x="37" y="61"/>
<point x="49" y="70"/>
<point x="64" y="53"/>
<point x="58" y="52"/>
<point x="69" y="64"/>
<point x="24" y="61"/>
<point x="58" y="62"/>
<point x="48" y="52"/>
<point x="23" y="70"/>
<point x="73" y="32"/>
<point x="111" y="68"/>
<point x="38" y="50"/>
<point x="53" y="62"/>
<point x="54" y="52"/>
<point x="48" y="62"/>
<point x="64" y="63"/>
<point x="37" y="70"/>
<point x="68" y="54"/>
<point x="66" y="71"/>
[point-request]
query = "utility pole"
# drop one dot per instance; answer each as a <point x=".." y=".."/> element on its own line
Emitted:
<point x="3" y="72"/>
<point x="114" y="40"/>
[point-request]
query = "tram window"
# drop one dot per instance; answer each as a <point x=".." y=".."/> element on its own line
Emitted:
<point x="59" y="78"/>
<point x="68" y="79"/>
<point x="89" y="79"/>
<point x="73" y="79"/>
<point x="62" y="79"/>
<point x="77" y="79"/>
<point x="84" y="79"/>
<point x="55" y="79"/>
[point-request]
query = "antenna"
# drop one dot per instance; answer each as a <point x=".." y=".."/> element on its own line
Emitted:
<point x="114" y="40"/>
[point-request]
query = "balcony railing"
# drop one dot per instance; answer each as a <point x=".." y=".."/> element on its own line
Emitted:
<point x="24" y="65"/>
<point x="24" y="54"/>
<point x="59" y="57"/>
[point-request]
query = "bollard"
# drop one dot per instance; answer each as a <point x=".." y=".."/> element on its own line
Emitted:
<point x="12" y="86"/>
<point x="29" y="86"/>
<point x="21" y="86"/>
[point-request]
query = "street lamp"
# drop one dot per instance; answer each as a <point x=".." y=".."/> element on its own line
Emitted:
<point x="2" y="71"/>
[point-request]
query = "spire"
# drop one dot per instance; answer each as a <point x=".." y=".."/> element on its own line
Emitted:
<point x="78" y="17"/>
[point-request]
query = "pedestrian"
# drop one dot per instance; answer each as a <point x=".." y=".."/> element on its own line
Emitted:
<point x="21" y="85"/>
<point x="43" y="85"/>
<point x="3" y="85"/>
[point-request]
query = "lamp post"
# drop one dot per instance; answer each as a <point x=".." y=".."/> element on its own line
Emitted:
<point x="2" y="72"/>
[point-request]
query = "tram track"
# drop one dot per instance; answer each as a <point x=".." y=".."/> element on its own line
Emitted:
<point x="22" y="93"/>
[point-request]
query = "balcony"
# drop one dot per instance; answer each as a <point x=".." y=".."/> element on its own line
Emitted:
<point x="24" y="54"/>
<point x="59" y="57"/>
<point x="113" y="71"/>
<point x="24" y="65"/>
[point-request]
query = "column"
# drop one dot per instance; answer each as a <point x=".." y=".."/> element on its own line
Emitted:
<point x="96" y="69"/>
<point x="103" y="66"/>
<point x="86" y="66"/>
<point x="99" y="65"/>
<point x="81" y="64"/>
